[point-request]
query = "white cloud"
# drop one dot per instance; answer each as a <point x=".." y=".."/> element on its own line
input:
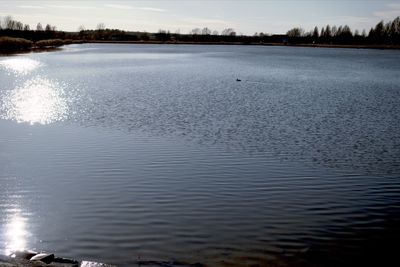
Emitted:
<point x="206" y="22"/>
<point x="125" y="7"/>
<point x="73" y="7"/>
<point x="151" y="9"/>
<point x="350" y="20"/>
<point x="391" y="12"/>
<point x="118" y="6"/>
<point x="30" y="7"/>
<point x="394" y="5"/>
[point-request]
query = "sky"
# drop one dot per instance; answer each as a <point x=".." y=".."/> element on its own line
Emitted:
<point x="246" y="17"/>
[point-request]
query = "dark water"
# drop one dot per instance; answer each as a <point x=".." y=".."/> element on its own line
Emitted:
<point x="115" y="152"/>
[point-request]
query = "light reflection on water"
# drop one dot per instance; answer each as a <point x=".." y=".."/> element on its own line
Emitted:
<point x="38" y="100"/>
<point x="20" y="65"/>
<point x="16" y="233"/>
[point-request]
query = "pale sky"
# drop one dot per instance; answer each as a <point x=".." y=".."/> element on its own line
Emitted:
<point x="246" y="17"/>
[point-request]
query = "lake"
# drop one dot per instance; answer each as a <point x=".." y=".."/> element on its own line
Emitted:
<point x="118" y="153"/>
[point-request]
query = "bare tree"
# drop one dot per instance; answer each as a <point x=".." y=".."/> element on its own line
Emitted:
<point x="8" y="23"/>
<point x="81" y="28"/>
<point x="206" y="31"/>
<point x="18" y="26"/>
<point x="308" y="34"/>
<point x="228" y="31"/>
<point x="27" y="27"/>
<point x="347" y="31"/>
<point x="39" y="27"/>
<point x="101" y="26"/>
<point x="195" y="31"/>
<point x="295" y="32"/>
<point x="215" y="33"/>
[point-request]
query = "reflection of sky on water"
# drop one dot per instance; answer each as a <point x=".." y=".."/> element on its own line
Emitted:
<point x="20" y="66"/>
<point x="38" y="100"/>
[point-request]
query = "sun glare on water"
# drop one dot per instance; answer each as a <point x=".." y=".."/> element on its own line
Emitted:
<point x="20" y="65"/>
<point x="38" y="100"/>
<point x="16" y="234"/>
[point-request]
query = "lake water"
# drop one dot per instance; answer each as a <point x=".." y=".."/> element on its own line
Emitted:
<point x="116" y="153"/>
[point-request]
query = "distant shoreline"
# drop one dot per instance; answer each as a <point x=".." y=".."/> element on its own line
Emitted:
<point x="22" y="50"/>
<point x="389" y="47"/>
<point x="15" y="36"/>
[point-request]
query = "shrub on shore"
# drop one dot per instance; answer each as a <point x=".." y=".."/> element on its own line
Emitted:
<point x="10" y="43"/>
<point x="49" y="43"/>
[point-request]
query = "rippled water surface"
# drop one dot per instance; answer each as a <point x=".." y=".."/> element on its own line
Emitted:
<point x="117" y="153"/>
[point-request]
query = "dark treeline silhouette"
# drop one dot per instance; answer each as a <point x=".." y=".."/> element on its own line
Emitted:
<point x="13" y="28"/>
<point x="383" y="34"/>
<point x="15" y="36"/>
<point x="163" y="36"/>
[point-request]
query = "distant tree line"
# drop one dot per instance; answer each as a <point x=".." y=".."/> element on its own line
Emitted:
<point x="382" y="34"/>
<point x="13" y="28"/>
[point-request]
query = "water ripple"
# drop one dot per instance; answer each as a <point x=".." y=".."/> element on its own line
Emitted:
<point x="297" y="165"/>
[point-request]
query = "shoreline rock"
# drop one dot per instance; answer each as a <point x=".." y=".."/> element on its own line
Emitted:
<point x="30" y="258"/>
